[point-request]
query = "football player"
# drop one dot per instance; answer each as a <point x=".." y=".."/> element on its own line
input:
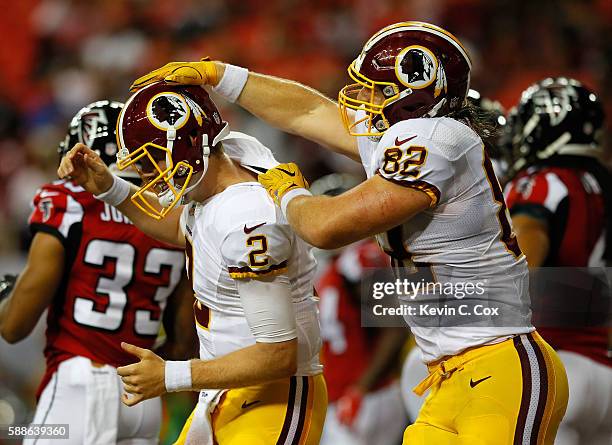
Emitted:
<point x="102" y="281"/>
<point x="259" y="373"/>
<point x="561" y="202"/>
<point x="360" y="363"/>
<point x="433" y="199"/>
<point x="413" y="370"/>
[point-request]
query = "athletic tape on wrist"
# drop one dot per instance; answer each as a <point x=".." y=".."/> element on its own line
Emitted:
<point x="232" y="83"/>
<point x="178" y="375"/>
<point x="287" y="197"/>
<point x="118" y="192"/>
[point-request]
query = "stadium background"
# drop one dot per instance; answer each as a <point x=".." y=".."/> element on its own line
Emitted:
<point x="58" y="55"/>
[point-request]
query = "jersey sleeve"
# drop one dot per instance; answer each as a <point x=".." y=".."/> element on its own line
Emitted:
<point x="55" y="212"/>
<point x="537" y="195"/>
<point x="186" y="220"/>
<point x="257" y="249"/>
<point x="411" y="160"/>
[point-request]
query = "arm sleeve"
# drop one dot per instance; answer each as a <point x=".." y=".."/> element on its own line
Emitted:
<point x="257" y="249"/>
<point x="268" y="308"/>
<point x="414" y="161"/>
<point x="54" y="212"/>
<point x="537" y="195"/>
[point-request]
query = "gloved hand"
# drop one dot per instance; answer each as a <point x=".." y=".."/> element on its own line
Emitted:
<point x="348" y="405"/>
<point x="203" y="72"/>
<point x="279" y="180"/>
<point x="7" y="283"/>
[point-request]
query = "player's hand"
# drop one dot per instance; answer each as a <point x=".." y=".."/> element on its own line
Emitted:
<point x="7" y="283"/>
<point x="348" y="405"/>
<point x="279" y="180"/>
<point x="86" y="168"/>
<point x="143" y="380"/>
<point x="204" y="72"/>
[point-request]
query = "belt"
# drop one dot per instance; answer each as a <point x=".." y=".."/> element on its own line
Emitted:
<point x="438" y="372"/>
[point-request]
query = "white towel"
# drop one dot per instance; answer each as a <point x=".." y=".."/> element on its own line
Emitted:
<point x="102" y="397"/>
<point x="247" y="150"/>
<point x="200" y="431"/>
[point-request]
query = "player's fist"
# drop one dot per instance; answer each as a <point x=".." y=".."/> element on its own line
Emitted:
<point x="279" y="180"/>
<point x="204" y="72"/>
<point x="347" y="406"/>
<point x="83" y="166"/>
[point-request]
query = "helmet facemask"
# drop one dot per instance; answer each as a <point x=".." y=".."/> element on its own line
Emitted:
<point x="364" y="96"/>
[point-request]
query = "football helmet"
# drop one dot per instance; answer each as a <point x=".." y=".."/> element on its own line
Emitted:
<point x="166" y="132"/>
<point x="334" y="184"/>
<point x="94" y="125"/>
<point x="555" y="116"/>
<point x="406" y="70"/>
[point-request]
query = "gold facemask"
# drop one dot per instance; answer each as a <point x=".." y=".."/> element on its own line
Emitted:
<point x="365" y="88"/>
<point x="158" y="194"/>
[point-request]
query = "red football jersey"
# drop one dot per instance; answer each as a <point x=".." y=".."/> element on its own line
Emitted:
<point x="571" y="202"/>
<point x="116" y="279"/>
<point x="347" y="347"/>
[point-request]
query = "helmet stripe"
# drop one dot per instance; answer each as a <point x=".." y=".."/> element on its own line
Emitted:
<point x="419" y="26"/>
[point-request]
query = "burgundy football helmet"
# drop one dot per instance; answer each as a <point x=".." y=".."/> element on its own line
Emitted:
<point x="166" y="133"/>
<point x="406" y="70"/>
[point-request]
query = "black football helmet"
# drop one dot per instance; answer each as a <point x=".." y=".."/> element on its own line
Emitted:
<point x="555" y="116"/>
<point x="334" y="184"/>
<point x="95" y="126"/>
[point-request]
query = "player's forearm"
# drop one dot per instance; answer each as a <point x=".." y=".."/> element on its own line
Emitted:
<point x="34" y="289"/>
<point x="17" y="323"/>
<point x="372" y="207"/>
<point x="385" y="357"/>
<point x="297" y="109"/>
<point x="253" y="365"/>
<point x="312" y="220"/>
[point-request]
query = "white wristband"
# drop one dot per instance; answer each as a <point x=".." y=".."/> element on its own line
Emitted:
<point x="287" y="197"/>
<point x="118" y="192"/>
<point x="178" y="375"/>
<point x="232" y="83"/>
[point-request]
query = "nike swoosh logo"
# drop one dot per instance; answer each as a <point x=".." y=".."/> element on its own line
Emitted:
<point x="248" y="230"/>
<point x="398" y="142"/>
<point x="292" y="174"/>
<point x="474" y="383"/>
<point x="246" y="405"/>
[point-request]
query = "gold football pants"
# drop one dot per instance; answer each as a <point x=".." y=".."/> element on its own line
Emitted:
<point x="511" y="393"/>
<point x="285" y="412"/>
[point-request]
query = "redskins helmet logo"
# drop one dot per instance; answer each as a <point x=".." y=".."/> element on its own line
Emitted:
<point x="416" y="67"/>
<point x="90" y="122"/>
<point x="166" y="110"/>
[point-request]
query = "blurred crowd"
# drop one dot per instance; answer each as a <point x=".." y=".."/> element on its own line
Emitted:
<point x="58" y="55"/>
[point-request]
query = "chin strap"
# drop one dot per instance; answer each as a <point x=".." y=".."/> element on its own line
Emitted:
<point x="166" y="199"/>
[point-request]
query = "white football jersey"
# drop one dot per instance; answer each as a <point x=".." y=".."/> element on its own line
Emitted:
<point x="465" y="236"/>
<point x="236" y="234"/>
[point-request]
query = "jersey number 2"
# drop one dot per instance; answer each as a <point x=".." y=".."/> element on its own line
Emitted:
<point x="114" y="287"/>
